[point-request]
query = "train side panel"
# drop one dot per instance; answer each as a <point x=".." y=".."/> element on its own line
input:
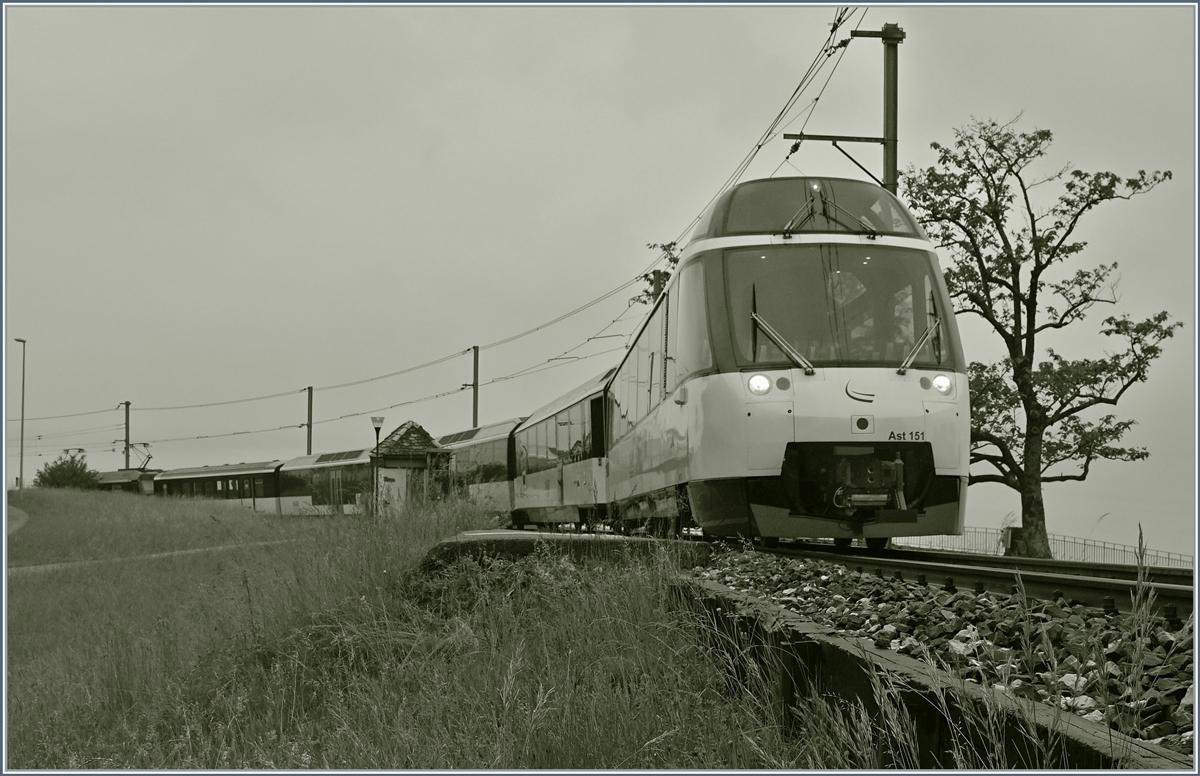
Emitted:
<point x="556" y="495"/>
<point x="492" y="495"/>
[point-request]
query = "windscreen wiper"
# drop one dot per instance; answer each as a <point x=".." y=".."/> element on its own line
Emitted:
<point x="795" y="222"/>
<point x="860" y="220"/>
<point x="809" y="210"/>
<point x="929" y="330"/>
<point x="783" y="345"/>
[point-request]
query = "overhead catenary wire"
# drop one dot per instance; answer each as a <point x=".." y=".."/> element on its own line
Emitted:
<point x="549" y="364"/>
<point x="57" y="417"/>
<point x="59" y="451"/>
<point x="80" y="431"/>
<point x="430" y="397"/>
<point x="823" y="56"/>
<point x="136" y="408"/>
<point x="771" y="132"/>
<point x="394" y="374"/>
<point x="522" y="373"/>
<point x="843" y="48"/>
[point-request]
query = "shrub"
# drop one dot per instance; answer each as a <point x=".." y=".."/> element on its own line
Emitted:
<point x="67" y="471"/>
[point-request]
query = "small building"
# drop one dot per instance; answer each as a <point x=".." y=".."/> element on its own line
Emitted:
<point x="411" y="466"/>
<point x="139" y="481"/>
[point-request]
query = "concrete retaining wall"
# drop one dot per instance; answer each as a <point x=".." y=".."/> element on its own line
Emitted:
<point x="799" y="656"/>
<point x="506" y="543"/>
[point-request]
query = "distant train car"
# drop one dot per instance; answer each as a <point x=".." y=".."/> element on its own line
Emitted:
<point x="559" y="469"/>
<point x="801" y="375"/>
<point x="251" y="485"/>
<point x="481" y="463"/>
<point x="326" y="484"/>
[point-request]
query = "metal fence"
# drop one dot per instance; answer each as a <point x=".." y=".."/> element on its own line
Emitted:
<point x="991" y="541"/>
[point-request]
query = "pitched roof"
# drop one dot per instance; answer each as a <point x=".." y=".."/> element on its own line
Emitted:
<point x="409" y="439"/>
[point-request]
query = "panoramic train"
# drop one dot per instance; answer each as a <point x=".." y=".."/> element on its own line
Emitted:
<point x="800" y="376"/>
<point x="323" y="484"/>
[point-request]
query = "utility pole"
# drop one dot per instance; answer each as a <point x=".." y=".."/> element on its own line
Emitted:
<point x="126" y="435"/>
<point x="21" y="471"/>
<point x="892" y="36"/>
<point x="308" y="450"/>
<point x="475" y="391"/>
<point x="474" y="386"/>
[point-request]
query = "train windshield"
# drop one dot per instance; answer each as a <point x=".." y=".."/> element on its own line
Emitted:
<point x="837" y="305"/>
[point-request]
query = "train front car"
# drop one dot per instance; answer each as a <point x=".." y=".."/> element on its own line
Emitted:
<point x="814" y="382"/>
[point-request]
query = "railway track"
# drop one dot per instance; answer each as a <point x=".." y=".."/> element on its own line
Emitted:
<point x="1162" y="574"/>
<point x="1104" y="586"/>
<point x="1107" y="586"/>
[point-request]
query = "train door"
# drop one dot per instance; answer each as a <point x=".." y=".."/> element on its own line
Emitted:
<point x="335" y="491"/>
<point x="248" y="490"/>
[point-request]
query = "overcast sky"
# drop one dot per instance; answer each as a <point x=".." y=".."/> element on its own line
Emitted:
<point x="208" y="204"/>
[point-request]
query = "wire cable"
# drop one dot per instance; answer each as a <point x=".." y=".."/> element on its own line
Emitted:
<point x="35" y="437"/>
<point x="56" y="417"/>
<point x="392" y="406"/>
<point x="135" y="408"/>
<point x="229" y="434"/>
<point x="394" y="374"/>
<point x="548" y="364"/>
<point x="812" y="106"/>
<point x="577" y="310"/>
<point x="771" y="132"/>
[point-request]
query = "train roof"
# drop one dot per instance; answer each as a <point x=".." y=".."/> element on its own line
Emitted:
<point x="805" y="206"/>
<point x="122" y="476"/>
<point x="325" y="460"/>
<point x="481" y="434"/>
<point x="228" y="469"/>
<point x="590" y="388"/>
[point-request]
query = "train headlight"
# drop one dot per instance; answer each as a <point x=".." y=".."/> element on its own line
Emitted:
<point x="943" y="385"/>
<point x="759" y="385"/>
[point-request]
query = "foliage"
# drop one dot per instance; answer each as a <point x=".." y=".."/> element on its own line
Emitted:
<point x="67" y="471"/>
<point x="1008" y="255"/>
<point x="656" y="279"/>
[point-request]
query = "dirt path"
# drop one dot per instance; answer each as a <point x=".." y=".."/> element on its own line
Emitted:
<point x="81" y="563"/>
<point x="15" y="519"/>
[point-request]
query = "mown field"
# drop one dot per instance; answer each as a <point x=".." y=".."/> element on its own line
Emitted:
<point x="315" y="643"/>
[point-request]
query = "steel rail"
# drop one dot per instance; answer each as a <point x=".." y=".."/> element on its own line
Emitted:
<point x="1100" y="592"/>
<point x="1160" y="574"/>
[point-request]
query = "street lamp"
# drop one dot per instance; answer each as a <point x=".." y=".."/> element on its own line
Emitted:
<point x="21" y="472"/>
<point x="377" y="422"/>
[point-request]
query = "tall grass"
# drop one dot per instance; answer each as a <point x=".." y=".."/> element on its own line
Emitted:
<point x="74" y="525"/>
<point x="89" y="645"/>
<point x="331" y="651"/>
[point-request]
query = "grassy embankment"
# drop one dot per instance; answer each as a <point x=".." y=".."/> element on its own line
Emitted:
<point x="315" y="643"/>
<point x="329" y="651"/>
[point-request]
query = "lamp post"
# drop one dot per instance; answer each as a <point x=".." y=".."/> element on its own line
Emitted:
<point x="377" y="422"/>
<point x="21" y="471"/>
